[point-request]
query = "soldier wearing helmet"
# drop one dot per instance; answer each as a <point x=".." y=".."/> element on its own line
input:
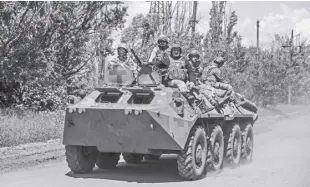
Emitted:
<point x="176" y="75"/>
<point x="160" y="54"/>
<point x="123" y="59"/>
<point x="212" y="89"/>
<point x="193" y="66"/>
<point x="214" y="69"/>
<point x="212" y="80"/>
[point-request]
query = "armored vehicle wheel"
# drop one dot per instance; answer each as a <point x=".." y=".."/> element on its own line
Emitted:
<point x="233" y="152"/>
<point x="132" y="158"/>
<point x="81" y="159"/>
<point x="192" y="160"/>
<point x="216" y="153"/>
<point x="247" y="143"/>
<point x="151" y="157"/>
<point x="107" y="160"/>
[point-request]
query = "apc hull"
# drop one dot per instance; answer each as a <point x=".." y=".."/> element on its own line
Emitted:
<point x="137" y="121"/>
<point x="111" y="130"/>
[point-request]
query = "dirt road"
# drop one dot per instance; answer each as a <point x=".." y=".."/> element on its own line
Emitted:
<point x="281" y="158"/>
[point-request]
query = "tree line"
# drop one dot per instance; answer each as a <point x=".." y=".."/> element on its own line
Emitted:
<point x="47" y="47"/>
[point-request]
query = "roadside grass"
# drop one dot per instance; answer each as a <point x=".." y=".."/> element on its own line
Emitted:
<point x="20" y="127"/>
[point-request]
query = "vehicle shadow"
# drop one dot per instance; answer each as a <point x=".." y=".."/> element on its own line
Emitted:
<point x="161" y="171"/>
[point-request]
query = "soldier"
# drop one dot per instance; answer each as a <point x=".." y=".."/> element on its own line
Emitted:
<point x="214" y="69"/>
<point x="122" y="58"/>
<point x="213" y="86"/>
<point x="160" y="54"/>
<point x="213" y="72"/>
<point x="176" y="74"/>
<point x="207" y="90"/>
<point x="211" y="76"/>
<point x="194" y="69"/>
<point x="193" y="66"/>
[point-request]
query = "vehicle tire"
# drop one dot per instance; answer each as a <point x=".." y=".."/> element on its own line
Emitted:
<point x="247" y="143"/>
<point x="133" y="158"/>
<point x="192" y="160"/>
<point x="234" y="144"/>
<point x="81" y="159"/>
<point x="216" y="151"/>
<point x="151" y="157"/>
<point x="107" y="160"/>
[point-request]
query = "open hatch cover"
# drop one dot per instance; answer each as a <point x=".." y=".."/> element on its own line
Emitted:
<point x="140" y="91"/>
<point x="109" y="89"/>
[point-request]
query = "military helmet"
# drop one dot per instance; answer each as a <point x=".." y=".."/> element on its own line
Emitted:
<point x="193" y="52"/>
<point x="123" y="46"/>
<point x="162" y="38"/>
<point x="176" y="46"/>
<point x="219" y="60"/>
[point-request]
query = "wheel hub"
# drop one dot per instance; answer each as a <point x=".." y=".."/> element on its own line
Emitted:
<point x="249" y="145"/>
<point x="235" y="147"/>
<point x="216" y="155"/>
<point x="198" y="155"/>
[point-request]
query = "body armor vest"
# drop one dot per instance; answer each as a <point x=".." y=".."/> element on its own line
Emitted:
<point x="176" y="70"/>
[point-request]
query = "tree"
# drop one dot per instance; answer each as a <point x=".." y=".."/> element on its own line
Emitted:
<point x="48" y="43"/>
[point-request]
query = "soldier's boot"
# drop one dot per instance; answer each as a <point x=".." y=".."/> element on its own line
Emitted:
<point x="191" y="100"/>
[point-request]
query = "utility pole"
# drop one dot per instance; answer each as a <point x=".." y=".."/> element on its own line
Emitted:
<point x="193" y="22"/>
<point x="257" y="41"/>
<point x="291" y="53"/>
<point x="289" y="99"/>
<point x="292" y="46"/>
<point x="194" y="17"/>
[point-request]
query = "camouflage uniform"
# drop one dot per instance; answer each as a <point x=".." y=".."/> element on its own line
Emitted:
<point x="212" y="89"/>
<point x="127" y="61"/>
<point x="211" y="77"/>
<point x="160" y="54"/>
<point x="208" y="92"/>
<point x="160" y="57"/>
<point x="176" y="74"/>
<point x="214" y="69"/>
<point x="194" y="69"/>
<point x="122" y="59"/>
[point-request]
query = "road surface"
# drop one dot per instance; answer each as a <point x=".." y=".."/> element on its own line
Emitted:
<point x="281" y="158"/>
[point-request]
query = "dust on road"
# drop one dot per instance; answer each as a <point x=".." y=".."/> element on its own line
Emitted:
<point x="281" y="158"/>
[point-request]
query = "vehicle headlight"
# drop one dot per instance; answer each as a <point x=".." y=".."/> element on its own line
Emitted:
<point x="127" y="111"/>
<point x="137" y="112"/>
<point x="81" y="110"/>
<point x="71" y="110"/>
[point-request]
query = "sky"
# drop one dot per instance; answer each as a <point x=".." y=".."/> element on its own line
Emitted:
<point x="274" y="16"/>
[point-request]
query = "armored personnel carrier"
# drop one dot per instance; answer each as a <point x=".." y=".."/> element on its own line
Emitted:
<point x="141" y="119"/>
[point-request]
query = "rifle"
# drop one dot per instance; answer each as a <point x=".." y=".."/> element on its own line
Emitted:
<point x="136" y="57"/>
<point x="140" y="64"/>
